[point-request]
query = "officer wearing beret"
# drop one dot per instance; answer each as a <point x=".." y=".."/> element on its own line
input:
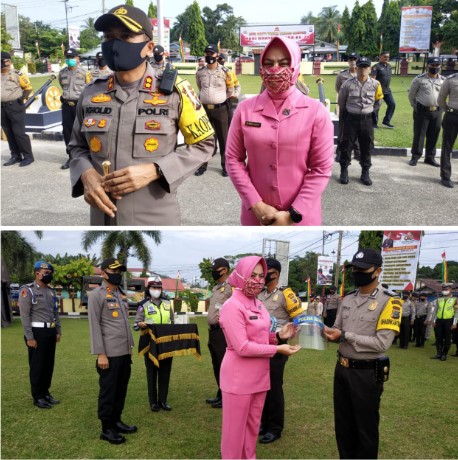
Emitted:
<point x="126" y="122"/>
<point x="366" y="324"/>
<point x="216" y="340"/>
<point x="283" y="305"/>
<point x="72" y="79"/>
<point x="216" y="84"/>
<point x="39" y="310"/>
<point x="16" y="89"/>
<point x="358" y="98"/>
<point x="427" y="115"/>
<point x="448" y="101"/>
<point x="101" y="69"/>
<point x="112" y="342"/>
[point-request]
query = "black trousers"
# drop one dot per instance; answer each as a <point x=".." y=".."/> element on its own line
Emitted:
<point x="158" y="378"/>
<point x="68" y="118"/>
<point x="219" y="118"/>
<point x="217" y="346"/>
<point x="391" y="105"/>
<point x="273" y="414"/>
<point x="41" y="361"/>
<point x="356" y="412"/>
<point x="420" y="330"/>
<point x="342" y="141"/>
<point x="358" y="128"/>
<point x="449" y="134"/>
<point x="13" y="123"/>
<point x="443" y="332"/>
<point x="113" y="384"/>
<point x="404" y="333"/>
<point x="331" y="317"/>
<point x="426" y="125"/>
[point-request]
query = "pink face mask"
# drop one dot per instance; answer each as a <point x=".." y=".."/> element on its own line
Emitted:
<point x="277" y="79"/>
<point x="252" y="286"/>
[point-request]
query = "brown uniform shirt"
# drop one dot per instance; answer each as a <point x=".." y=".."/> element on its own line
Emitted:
<point x="73" y="82"/>
<point x="15" y="86"/>
<point x="360" y="98"/>
<point x="275" y="303"/>
<point x="425" y="89"/>
<point x="342" y="77"/>
<point x="332" y="302"/>
<point x="215" y="86"/>
<point x="449" y="89"/>
<point x="220" y="293"/>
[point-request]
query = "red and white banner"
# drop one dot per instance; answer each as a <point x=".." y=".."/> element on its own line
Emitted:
<point x="415" y="29"/>
<point x="400" y="252"/>
<point x="155" y="23"/>
<point x="259" y="36"/>
<point x="325" y="271"/>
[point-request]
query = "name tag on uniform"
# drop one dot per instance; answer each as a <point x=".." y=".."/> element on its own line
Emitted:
<point x="253" y="317"/>
<point x="151" y="309"/>
<point x="253" y="124"/>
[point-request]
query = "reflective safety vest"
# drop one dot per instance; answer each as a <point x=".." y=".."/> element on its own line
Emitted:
<point x="446" y="308"/>
<point x="158" y="314"/>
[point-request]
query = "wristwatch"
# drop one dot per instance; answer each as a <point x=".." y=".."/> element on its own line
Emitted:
<point x="296" y="216"/>
<point x="342" y="337"/>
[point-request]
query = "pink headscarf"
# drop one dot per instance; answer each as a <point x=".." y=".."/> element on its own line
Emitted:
<point x="245" y="268"/>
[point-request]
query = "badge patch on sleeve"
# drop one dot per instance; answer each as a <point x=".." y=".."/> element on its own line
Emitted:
<point x="293" y="304"/>
<point x="151" y="144"/>
<point x="390" y="318"/>
<point x="95" y="144"/>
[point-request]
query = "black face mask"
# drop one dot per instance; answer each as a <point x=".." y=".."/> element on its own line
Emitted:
<point x="46" y="278"/>
<point x="269" y="277"/>
<point x="114" y="278"/>
<point x="363" y="279"/>
<point x="423" y="299"/>
<point x="216" y="275"/>
<point x="101" y="62"/>
<point x="158" y="57"/>
<point x="121" y="55"/>
<point x="210" y="59"/>
<point x="3" y="64"/>
<point x="433" y="70"/>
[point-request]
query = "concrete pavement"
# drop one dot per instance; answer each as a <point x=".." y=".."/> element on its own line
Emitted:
<point x="39" y="194"/>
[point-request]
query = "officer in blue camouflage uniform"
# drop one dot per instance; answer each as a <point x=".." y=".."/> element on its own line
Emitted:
<point x="365" y="327"/>
<point x="38" y="306"/>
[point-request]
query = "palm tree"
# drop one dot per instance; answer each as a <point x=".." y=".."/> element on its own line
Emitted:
<point x="327" y="23"/>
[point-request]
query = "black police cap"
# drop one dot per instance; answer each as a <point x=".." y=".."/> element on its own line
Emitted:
<point x="366" y="258"/>
<point x="363" y="61"/>
<point x="353" y="56"/>
<point x="128" y="16"/>
<point x="99" y="55"/>
<point x="158" y="49"/>
<point x="221" y="262"/>
<point x="273" y="263"/>
<point x="434" y="60"/>
<point x="112" y="264"/>
<point x="6" y="55"/>
<point x="71" y="52"/>
<point x="210" y="48"/>
<point x="221" y="56"/>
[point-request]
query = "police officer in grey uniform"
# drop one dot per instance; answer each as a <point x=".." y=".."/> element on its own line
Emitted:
<point x="16" y="88"/>
<point x="331" y="306"/>
<point x="216" y="85"/>
<point x="39" y="310"/>
<point x="358" y="98"/>
<point x="72" y="79"/>
<point x="448" y="101"/>
<point x="101" y="69"/>
<point x="365" y="327"/>
<point x="341" y="78"/>
<point x="422" y="312"/>
<point x="274" y="299"/>
<point x="407" y="320"/>
<point x="158" y="62"/>
<point x="216" y="340"/>
<point x="427" y="115"/>
<point x="126" y="119"/>
<point x="112" y="342"/>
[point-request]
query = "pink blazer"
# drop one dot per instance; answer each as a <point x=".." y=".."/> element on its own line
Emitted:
<point x="245" y="367"/>
<point x="290" y="155"/>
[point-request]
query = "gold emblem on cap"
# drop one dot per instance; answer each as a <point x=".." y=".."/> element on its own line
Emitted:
<point x="120" y="11"/>
<point x="372" y="306"/>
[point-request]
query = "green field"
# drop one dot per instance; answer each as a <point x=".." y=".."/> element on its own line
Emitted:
<point x="418" y="411"/>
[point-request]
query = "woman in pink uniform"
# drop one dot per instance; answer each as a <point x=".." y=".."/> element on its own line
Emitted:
<point x="288" y="139"/>
<point x="244" y="374"/>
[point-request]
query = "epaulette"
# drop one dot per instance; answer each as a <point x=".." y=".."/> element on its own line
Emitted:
<point x="202" y="68"/>
<point x="391" y="293"/>
<point x="225" y="69"/>
<point x="344" y="70"/>
<point x="421" y="75"/>
<point x="282" y="288"/>
<point x="99" y="79"/>
<point x="351" y="292"/>
<point x="455" y="75"/>
<point x="18" y="72"/>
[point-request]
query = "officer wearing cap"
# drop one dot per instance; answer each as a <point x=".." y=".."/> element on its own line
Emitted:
<point x="221" y="291"/>
<point x="72" y="79"/>
<point x="444" y="319"/>
<point x="407" y="320"/>
<point x="216" y="85"/>
<point x="315" y="307"/>
<point x="125" y="119"/>
<point x="366" y="324"/>
<point x="232" y="99"/>
<point x="331" y="306"/>
<point x="16" y="89"/>
<point x="101" y="69"/>
<point x="422" y="313"/>
<point x="358" y="98"/>
<point x="341" y="78"/>
<point x="283" y="305"/>
<point x="427" y="115"/>
<point x="448" y="101"/>
<point x="155" y="309"/>
<point x="112" y="342"/>
<point x="382" y="72"/>
<point x="158" y="62"/>
<point x="39" y="310"/>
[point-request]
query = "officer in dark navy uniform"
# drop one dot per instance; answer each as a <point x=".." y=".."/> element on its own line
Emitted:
<point x="38" y="306"/>
<point x="382" y="72"/>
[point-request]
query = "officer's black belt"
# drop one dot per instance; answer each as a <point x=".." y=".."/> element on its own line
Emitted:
<point x="420" y="316"/>
<point x="425" y="108"/>
<point x="214" y="106"/>
<point x="214" y="327"/>
<point x="4" y="104"/>
<point x="69" y="102"/>
<point x="356" y="363"/>
<point x="360" y="116"/>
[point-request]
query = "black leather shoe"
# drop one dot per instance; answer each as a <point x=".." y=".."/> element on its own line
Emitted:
<point x="12" y="161"/>
<point x="365" y="178"/>
<point x="200" y="171"/>
<point x="26" y="162"/>
<point x="432" y="162"/>
<point x="269" y="437"/>
<point x="224" y="172"/>
<point x="447" y="183"/>
<point x="66" y="165"/>
<point x="51" y="400"/>
<point x="413" y="162"/>
<point x="343" y="175"/>
<point x="155" y="407"/>
<point x="121" y="427"/>
<point x="213" y="400"/>
<point x="436" y="357"/>
<point x="112" y="436"/>
<point x="165" y="406"/>
<point x="218" y="405"/>
<point x="388" y="125"/>
<point x="444" y="358"/>
<point x="262" y="431"/>
<point x="42" y="404"/>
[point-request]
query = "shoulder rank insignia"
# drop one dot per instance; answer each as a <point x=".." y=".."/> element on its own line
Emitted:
<point x="110" y="84"/>
<point x="101" y="98"/>
<point x="151" y="144"/>
<point x="148" y="82"/>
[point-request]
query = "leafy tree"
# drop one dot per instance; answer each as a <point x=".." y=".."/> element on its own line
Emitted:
<point x="130" y="2"/>
<point x="389" y="24"/>
<point x="327" y="23"/>
<point x="206" y="271"/>
<point x="369" y="45"/>
<point x="68" y="258"/>
<point x="309" y="18"/>
<point x="345" y="25"/>
<point x="89" y="37"/>
<point x="444" y="27"/>
<point x="196" y="31"/>
<point x="357" y="29"/>
<point x="300" y="268"/>
<point x="370" y="239"/>
<point x="152" y="10"/>
<point x="436" y="272"/>
<point x="181" y="27"/>
<point x="6" y="38"/>
<point x="191" y="298"/>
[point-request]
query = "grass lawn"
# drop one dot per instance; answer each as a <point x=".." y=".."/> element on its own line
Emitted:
<point x="418" y="411"/>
